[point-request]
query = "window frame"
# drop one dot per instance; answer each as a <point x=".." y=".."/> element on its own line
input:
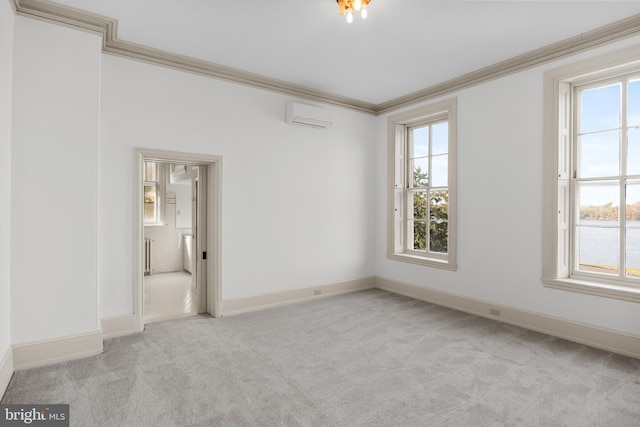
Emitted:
<point x="398" y="187"/>
<point x="621" y="179"/>
<point x="559" y="179"/>
<point x="159" y="186"/>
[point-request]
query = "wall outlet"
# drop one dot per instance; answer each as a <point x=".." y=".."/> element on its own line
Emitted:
<point x="494" y="311"/>
<point x="317" y="291"/>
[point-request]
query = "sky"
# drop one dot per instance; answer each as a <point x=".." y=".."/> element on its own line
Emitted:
<point x="439" y="151"/>
<point x="599" y="142"/>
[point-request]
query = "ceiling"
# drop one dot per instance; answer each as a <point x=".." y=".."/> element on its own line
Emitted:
<point x="402" y="47"/>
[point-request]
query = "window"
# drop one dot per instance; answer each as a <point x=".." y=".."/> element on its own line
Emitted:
<point x="592" y="205"/>
<point x="606" y="147"/>
<point x="151" y="193"/>
<point x="422" y="155"/>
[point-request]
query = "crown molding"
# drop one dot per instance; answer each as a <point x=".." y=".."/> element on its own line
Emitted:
<point x="185" y="63"/>
<point x="60" y="14"/>
<point x="600" y="36"/>
<point x="108" y="28"/>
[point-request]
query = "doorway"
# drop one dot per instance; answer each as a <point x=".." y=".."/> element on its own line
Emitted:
<point x="170" y="282"/>
<point x="178" y="242"/>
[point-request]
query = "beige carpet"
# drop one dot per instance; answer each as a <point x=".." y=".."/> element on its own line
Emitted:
<point x="364" y="359"/>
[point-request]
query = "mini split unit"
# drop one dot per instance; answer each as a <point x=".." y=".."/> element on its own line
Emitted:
<point x="309" y="116"/>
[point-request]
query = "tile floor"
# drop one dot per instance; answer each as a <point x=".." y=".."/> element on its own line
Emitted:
<point x="169" y="296"/>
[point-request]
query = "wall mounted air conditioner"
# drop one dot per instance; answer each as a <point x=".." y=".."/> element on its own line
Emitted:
<point x="309" y="116"/>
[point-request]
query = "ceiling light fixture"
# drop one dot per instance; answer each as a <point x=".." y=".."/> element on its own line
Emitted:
<point x="349" y="6"/>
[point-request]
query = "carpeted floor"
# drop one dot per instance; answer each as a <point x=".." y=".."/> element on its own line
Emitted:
<point x="370" y="358"/>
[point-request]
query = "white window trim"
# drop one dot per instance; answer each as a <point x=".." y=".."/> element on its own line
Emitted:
<point x="396" y="236"/>
<point x="556" y="232"/>
<point x="161" y="185"/>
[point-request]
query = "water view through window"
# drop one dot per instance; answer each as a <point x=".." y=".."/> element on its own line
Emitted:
<point x="607" y="176"/>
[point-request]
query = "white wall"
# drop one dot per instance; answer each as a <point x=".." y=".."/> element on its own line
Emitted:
<point x="183" y="205"/>
<point x="300" y="207"/>
<point x="6" y="77"/>
<point x="500" y="131"/>
<point x="297" y="203"/>
<point x="167" y="243"/>
<point x="54" y="165"/>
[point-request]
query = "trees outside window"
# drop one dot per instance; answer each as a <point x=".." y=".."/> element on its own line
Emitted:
<point x="422" y="186"/>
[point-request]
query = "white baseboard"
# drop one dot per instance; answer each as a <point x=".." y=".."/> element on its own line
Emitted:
<point x="6" y="371"/>
<point x="121" y="325"/>
<point x="40" y="353"/>
<point x="275" y="299"/>
<point x="155" y="271"/>
<point x="606" y="339"/>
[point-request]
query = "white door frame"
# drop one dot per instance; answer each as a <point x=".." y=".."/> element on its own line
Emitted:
<point x="214" y="229"/>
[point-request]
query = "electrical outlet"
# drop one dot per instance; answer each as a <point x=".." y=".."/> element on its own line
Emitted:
<point x="317" y="291"/>
<point x="494" y="311"/>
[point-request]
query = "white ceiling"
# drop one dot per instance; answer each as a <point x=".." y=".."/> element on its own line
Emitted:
<point x="403" y="46"/>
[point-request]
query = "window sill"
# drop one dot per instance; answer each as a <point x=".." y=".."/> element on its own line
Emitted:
<point x="428" y="262"/>
<point x="620" y="292"/>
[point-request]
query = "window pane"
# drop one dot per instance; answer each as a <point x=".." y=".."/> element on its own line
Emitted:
<point x="599" y="202"/>
<point x="439" y="205"/>
<point x="633" y="201"/>
<point x="599" y="155"/>
<point x="419" y="234"/>
<point x="420" y="140"/>
<point x="149" y="203"/>
<point x="440" y="143"/>
<point x="440" y="170"/>
<point x="438" y="226"/>
<point x="633" y="98"/>
<point x="633" y="152"/>
<point x="600" y="109"/>
<point x="598" y="249"/>
<point x="421" y="172"/>
<point x="438" y="236"/>
<point x="150" y="171"/>
<point x="420" y="205"/>
<point x="633" y="251"/>
<point x="632" y="255"/>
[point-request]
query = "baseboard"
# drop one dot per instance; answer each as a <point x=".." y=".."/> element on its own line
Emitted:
<point x="166" y="270"/>
<point x="275" y="299"/>
<point x="606" y="339"/>
<point x="121" y="325"/>
<point x="6" y="371"/>
<point x="41" y="353"/>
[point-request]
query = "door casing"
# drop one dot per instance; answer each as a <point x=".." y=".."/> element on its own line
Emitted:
<point x="210" y="239"/>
